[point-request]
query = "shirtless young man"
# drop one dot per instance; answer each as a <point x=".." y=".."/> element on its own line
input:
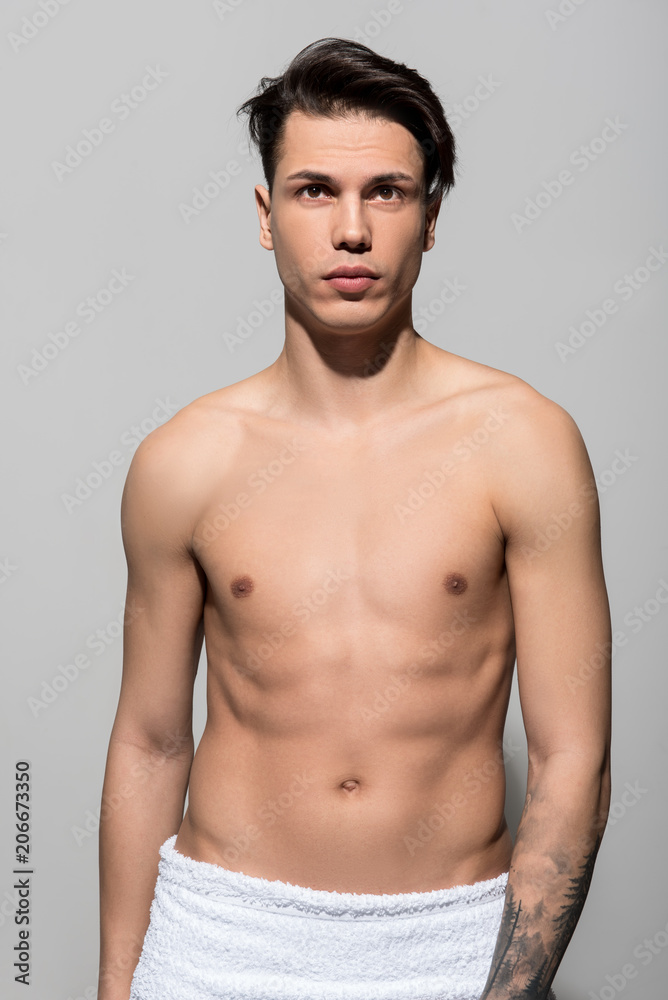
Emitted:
<point x="366" y="533"/>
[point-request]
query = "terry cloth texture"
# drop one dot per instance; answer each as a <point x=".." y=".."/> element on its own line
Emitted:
<point x="215" y="933"/>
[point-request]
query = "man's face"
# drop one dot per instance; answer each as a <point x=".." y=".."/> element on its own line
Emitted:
<point x="338" y="201"/>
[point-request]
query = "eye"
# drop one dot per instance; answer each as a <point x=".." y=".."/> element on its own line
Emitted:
<point x="308" y="190"/>
<point x="311" y="187"/>
<point x="391" y="190"/>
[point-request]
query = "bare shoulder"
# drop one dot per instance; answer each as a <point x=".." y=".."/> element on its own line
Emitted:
<point x="541" y="434"/>
<point x="172" y="466"/>
<point x="212" y="421"/>
<point x="531" y="449"/>
<point x="536" y="459"/>
<point x="534" y="425"/>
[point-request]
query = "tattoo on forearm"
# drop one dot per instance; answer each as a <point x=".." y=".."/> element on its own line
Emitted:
<point x="527" y="954"/>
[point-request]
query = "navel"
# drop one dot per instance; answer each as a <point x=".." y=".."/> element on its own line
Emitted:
<point x="241" y="586"/>
<point x="455" y="583"/>
<point x="350" y="784"/>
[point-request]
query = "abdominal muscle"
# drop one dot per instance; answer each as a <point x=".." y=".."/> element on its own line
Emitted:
<point x="345" y="755"/>
<point x="326" y="780"/>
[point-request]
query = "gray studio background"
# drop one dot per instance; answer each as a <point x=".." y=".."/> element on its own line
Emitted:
<point x="198" y="305"/>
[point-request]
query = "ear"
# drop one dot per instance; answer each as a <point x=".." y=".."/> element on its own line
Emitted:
<point x="263" y="205"/>
<point x="430" y="225"/>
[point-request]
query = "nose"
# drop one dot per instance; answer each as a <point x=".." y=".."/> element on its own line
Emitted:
<point x="350" y="226"/>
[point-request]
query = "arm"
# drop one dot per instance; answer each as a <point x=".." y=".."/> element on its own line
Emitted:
<point x="547" y="507"/>
<point x="151" y="745"/>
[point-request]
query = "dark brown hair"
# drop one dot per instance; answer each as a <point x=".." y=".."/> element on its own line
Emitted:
<point x="334" y="76"/>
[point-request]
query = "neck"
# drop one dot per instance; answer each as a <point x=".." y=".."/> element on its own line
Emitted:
<point x="348" y="378"/>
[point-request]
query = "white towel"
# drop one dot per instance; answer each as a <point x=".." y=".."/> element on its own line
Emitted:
<point x="220" y="934"/>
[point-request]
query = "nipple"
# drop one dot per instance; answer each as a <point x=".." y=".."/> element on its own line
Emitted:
<point x="241" y="586"/>
<point x="455" y="583"/>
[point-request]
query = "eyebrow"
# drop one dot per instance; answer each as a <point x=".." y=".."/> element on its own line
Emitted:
<point x="316" y="177"/>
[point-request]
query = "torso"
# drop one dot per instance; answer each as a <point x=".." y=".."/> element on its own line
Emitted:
<point x="360" y="646"/>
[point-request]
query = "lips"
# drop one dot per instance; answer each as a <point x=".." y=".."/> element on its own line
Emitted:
<point x="351" y="272"/>
<point x="354" y="283"/>
<point x="348" y="278"/>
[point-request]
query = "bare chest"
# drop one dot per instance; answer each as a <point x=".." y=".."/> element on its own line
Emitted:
<point x="395" y="530"/>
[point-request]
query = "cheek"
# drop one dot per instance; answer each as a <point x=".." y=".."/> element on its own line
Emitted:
<point x="415" y="231"/>
<point x="300" y="251"/>
<point x="407" y="246"/>
<point x="287" y="259"/>
<point x="403" y="236"/>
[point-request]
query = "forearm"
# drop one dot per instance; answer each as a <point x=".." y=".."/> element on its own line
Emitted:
<point x="142" y="805"/>
<point x="550" y="872"/>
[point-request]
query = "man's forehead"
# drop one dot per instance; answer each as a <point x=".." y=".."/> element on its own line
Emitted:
<point x="313" y="141"/>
